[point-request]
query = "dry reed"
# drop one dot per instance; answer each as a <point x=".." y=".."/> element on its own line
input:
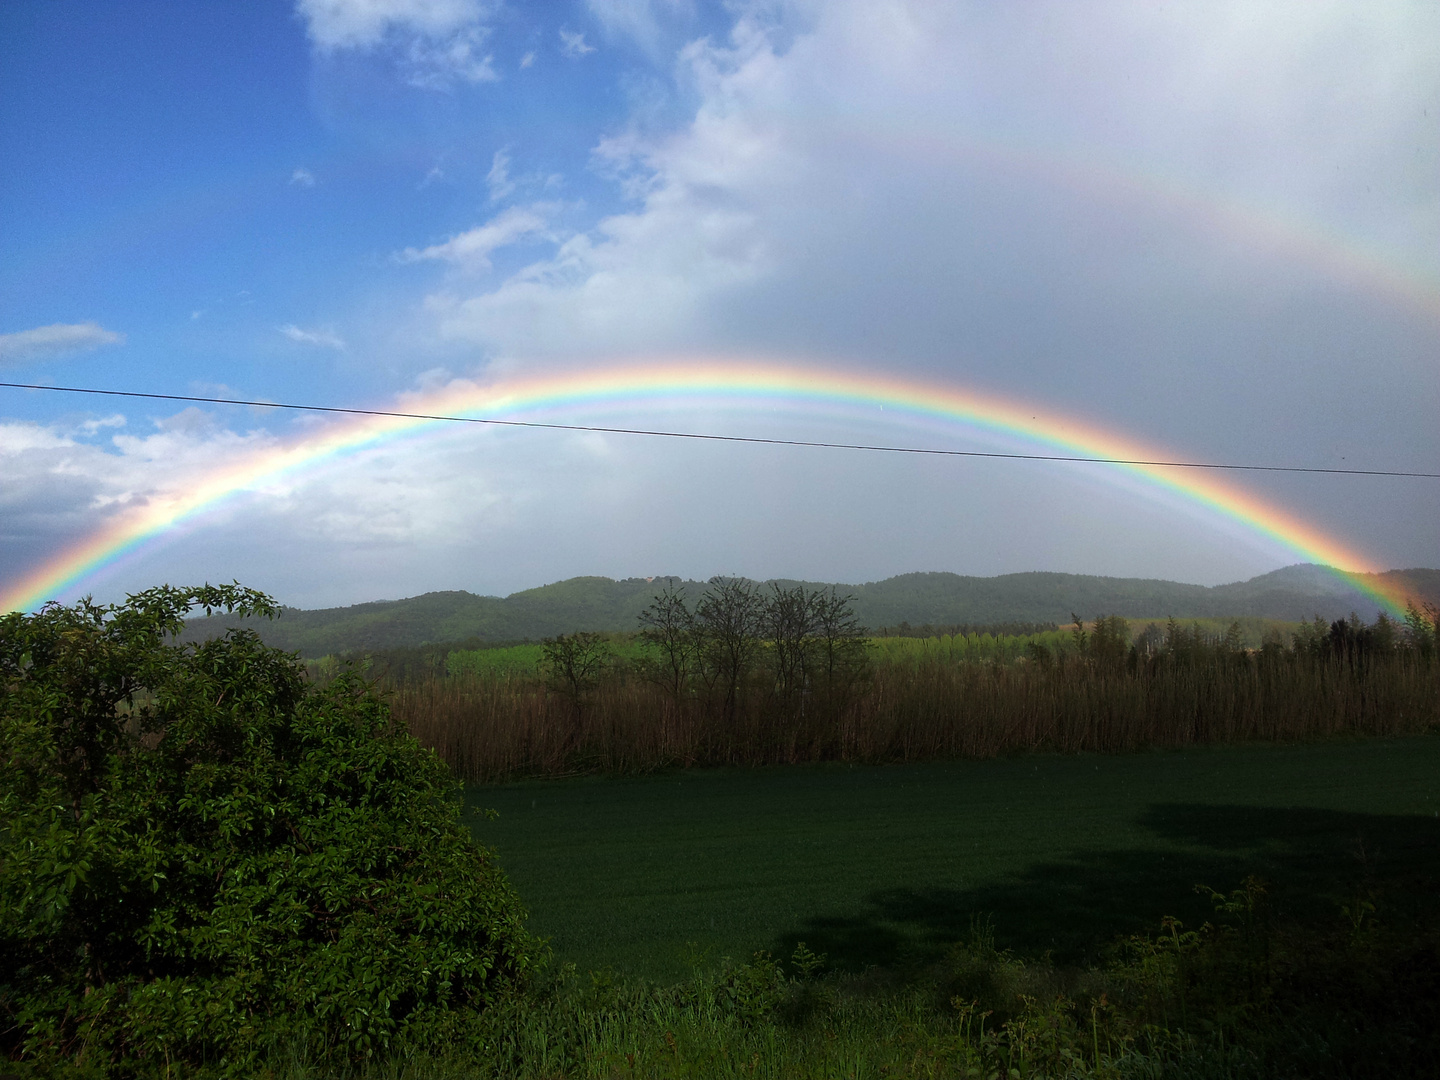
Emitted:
<point x="504" y="727"/>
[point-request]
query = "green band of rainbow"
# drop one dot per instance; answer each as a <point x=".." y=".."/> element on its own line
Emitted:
<point x="721" y="381"/>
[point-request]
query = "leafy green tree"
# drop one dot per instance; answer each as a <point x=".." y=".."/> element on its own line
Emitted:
<point x="1312" y="639"/>
<point x="203" y="855"/>
<point x="1108" y="642"/>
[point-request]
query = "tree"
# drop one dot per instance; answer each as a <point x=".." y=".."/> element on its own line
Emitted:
<point x="669" y="636"/>
<point x="203" y="856"/>
<point x="575" y="662"/>
<point x="1110" y="641"/>
<point x="1422" y="627"/>
<point x="790" y="620"/>
<point x="843" y="646"/>
<point x="728" y="618"/>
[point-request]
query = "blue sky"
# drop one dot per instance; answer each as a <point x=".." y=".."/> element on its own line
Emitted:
<point x="1212" y="228"/>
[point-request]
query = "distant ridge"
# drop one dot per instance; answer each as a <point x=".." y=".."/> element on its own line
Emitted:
<point x="597" y="603"/>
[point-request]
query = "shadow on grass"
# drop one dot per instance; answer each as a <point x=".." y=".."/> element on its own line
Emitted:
<point x="1312" y="862"/>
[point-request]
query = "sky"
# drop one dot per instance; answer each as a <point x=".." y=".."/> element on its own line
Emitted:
<point x="1209" y="231"/>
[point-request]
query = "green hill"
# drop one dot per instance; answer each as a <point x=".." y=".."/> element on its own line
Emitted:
<point x="597" y="603"/>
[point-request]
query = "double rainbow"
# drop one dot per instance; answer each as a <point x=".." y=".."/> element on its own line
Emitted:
<point x="637" y="386"/>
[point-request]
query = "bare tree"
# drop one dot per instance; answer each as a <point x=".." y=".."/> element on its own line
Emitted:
<point x="575" y="662"/>
<point x="671" y="639"/>
<point x="728" y="618"/>
<point x="842" y="646"/>
<point x="790" y="619"/>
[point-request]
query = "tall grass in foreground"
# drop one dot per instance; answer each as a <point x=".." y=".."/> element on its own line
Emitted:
<point x="1245" y="996"/>
<point x="512" y="725"/>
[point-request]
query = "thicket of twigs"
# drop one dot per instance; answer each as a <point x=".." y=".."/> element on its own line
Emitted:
<point x="748" y="678"/>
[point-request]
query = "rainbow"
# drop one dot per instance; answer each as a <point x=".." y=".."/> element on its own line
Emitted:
<point x="641" y="385"/>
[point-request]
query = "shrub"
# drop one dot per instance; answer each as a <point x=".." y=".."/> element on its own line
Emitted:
<point x="204" y="857"/>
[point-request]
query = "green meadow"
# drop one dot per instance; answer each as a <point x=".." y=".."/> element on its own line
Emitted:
<point x="889" y="865"/>
<point x="526" y="658"/>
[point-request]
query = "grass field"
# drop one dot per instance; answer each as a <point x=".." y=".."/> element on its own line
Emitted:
<point x="526" y="659"/>
<point x="886" y="865"/>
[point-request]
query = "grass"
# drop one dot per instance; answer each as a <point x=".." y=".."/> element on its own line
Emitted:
<point x="945" y="834"/>
<point x="1328" y="968"/>
<point x="889" y="865"/>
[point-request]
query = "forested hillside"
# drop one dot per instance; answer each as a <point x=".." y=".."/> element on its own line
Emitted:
<point x="937" y="599"/>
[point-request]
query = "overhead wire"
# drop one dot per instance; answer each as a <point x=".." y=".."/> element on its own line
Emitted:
<point x="711" y="437"/>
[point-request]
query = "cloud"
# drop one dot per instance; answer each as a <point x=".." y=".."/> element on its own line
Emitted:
<point x="528" y="59"/>
<point x="55" y="489"/>
<point x="325" y="338"/>
<point x="473" y="248"/>
<point x="642" y="21"/>
<point x="115" y="420"/>
<point x="303" y="178"/>
<point x="498" y="178"/>
<point x="897" y="158"/>
<point x="1074" y="205"/>
<point x="45" y="342"/>
<point x="433" y="65"/>
<point x="436" y="42"/>
<point x="1109" y="218"/>
<point x="573" y="44"/>
<point x="362" y="24"/>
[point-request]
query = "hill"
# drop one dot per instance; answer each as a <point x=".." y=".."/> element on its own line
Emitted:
<point x="597" y="603"/>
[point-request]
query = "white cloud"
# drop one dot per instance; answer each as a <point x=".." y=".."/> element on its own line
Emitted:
<point x="573" y="44"/>
<point x="433" y="65"/>
<point x="436" y="42"/>
<point x="361" y="24"/>
<point x="90" y="427"/>
<point x="303" y="178"/>
<point x="54" y="489"/>
<point x="498" y="178"/>
<point x="473" y="248"/>
<point x="325" y="338"/>
<point x="644" y="279"/>
<point x="45" y="342"/>
<point x="642" y="21"/>
<point x="966" y="163"/>
<point x="17" y="438"/>
<point x="528" y="59"/>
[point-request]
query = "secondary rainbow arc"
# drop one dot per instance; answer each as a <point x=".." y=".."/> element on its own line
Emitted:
<point x="639" y="384"/>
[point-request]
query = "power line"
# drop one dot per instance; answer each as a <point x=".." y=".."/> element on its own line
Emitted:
<point x="704" y="437"/>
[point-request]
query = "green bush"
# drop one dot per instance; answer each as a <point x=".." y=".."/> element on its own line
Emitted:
<point x="204" y="858"/>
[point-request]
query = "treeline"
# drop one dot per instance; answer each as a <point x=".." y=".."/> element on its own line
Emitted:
<point x="751" y="675"/>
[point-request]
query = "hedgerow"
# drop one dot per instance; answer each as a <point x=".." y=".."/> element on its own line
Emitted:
<point x="204" y="857"/>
